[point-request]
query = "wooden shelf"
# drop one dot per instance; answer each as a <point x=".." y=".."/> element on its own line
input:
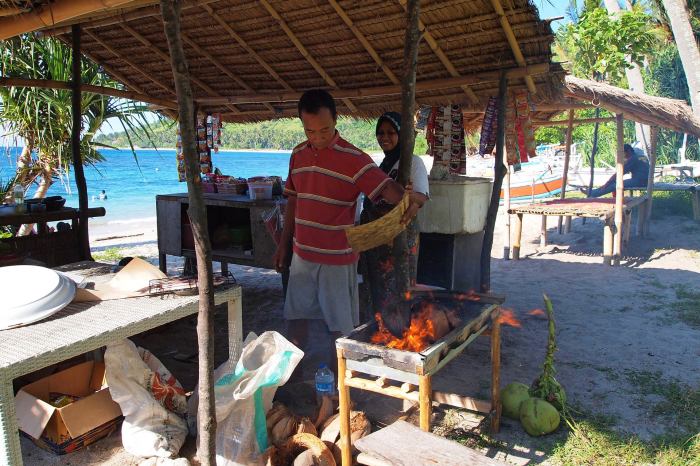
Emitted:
<point x="219" y="255"/>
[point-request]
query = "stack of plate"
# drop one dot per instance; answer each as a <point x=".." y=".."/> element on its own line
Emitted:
<point x="31" y="293"/>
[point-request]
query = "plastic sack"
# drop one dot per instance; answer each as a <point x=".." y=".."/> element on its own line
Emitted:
<point x="244" y="395"/>
<point x="152" y="400"/>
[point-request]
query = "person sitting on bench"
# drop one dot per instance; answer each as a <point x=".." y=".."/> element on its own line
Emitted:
<point x="637" y="164"/>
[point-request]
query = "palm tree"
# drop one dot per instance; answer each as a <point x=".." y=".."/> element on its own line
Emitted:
<point x="679" y="19"/>
<point x="42" y="117"/>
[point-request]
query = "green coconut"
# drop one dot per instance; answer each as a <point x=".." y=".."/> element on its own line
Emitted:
<point x="538" y="417"/>
<point x="511" y="396"/>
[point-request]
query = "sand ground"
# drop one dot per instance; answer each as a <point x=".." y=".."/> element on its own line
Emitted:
<point x="615" y="326"/>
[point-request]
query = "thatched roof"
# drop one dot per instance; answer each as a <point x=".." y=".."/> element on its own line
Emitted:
<point x="251" y="60"/>
<point x="650" y="110"/>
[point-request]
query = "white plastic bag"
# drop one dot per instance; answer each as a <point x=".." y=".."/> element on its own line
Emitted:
<point x="244" y="395"/>
<point x="152" y="401"/>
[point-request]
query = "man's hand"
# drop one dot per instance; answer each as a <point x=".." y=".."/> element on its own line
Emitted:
<point x="282" y="258"/>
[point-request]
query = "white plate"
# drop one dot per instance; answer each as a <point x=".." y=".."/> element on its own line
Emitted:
<point x="31" y="305"/>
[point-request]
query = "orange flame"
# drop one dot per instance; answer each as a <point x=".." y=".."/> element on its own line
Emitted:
<point x="507" y="316"/>
<point x="468" y="296"/>
<point x="419" y="335"/>
<point x="536" y="313"/>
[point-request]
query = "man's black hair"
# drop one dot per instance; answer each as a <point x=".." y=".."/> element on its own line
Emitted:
<point x="629" y="149"/>
<point x="313" y="100"/>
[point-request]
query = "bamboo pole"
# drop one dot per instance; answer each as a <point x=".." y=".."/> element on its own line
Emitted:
<point x="437" y="50"/>
<point x="513" y="42"/>
<point x="86" y="88"/>
<point x="654" y="139"/>
<point x="582" y="121"/>
<point x="56" y="12"/>
<point x="619" y="188"/>
<point x="425" y="391"/>
<point x="499" y="173"/>
<point x="77" y="116"/>
<point x="366" y="92"/>
<point x="344" y="411"/>
<point x="567" y="157"/>
<point x="198" y="216"/>
<point x="518" y="236"/>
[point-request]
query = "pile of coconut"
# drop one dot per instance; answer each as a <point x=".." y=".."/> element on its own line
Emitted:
<point x="539" y="407"/>
<point x="299" y="441"/>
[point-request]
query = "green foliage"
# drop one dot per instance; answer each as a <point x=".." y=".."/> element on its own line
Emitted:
<point x="43" y="117"/>
<point x="546" y="386"/>
<point x="274" y="134"/>
<point x="111" y="255"/>
<point x="598" y="44"/>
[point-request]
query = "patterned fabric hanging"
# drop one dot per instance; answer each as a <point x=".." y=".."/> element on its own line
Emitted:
<point x="445" y="135"/>
<point x="489" y="127"/>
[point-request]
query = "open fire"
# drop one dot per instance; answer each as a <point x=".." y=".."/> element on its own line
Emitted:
<point x="430" y="322"/>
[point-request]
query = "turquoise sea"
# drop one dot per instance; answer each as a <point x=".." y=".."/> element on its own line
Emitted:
<point x="132" y="183"/>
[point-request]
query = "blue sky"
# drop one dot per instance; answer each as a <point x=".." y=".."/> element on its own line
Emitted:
<point x="552" y="9"/>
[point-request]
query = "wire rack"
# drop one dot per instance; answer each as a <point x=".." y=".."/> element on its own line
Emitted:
<point x="186" y="284"/>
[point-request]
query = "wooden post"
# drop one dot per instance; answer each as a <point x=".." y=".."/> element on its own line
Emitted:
<point x="77" y="113"/>
<point x="499" y="173"/>
<point x="608" y="241"/>
<point x="567" y="157"/>
<point x="506" y="206"/>
<point x="646" y="218"/>
<point x="425" y="392"/>
<point x="619" y="188"/>
<point x="543" y="232"/>
<point x="170" y="11"/>
<point x="495" y="373"/>
<point x="407" y="135"/>
<point x="518" y="236"/>
<point x="344" y="410"/>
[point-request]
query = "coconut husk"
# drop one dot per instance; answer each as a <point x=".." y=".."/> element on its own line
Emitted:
<point x="380" y="231"/>
<point x="285" y="454"/>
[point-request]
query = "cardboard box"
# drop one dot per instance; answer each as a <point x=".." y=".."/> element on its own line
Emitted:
<point x="75" y="422"/>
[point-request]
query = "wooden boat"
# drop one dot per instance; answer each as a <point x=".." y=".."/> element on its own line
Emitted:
<point x="528" y="185"/>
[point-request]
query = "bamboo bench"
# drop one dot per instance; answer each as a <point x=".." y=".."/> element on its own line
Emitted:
<point x="693" y="188"/>
<point x="604" y="209"/>
<point x="402" y="443"/>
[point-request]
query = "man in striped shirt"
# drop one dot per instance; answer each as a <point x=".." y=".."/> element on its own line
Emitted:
<point x="326" y="176"/>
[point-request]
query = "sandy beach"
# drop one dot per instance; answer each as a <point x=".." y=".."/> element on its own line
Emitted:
<point x="622" y="333"/>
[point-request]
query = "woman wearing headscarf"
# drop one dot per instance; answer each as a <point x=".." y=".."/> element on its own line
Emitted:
<point x="379" y="261"/>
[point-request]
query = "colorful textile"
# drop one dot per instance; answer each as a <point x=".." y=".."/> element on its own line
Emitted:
<point x="489" y="127"/>
<point x="445" y="135"/>
<point x="326" y="183"/>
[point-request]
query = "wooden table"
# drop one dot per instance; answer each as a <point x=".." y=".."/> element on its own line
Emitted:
<point x="83" y="327"/>
<point x="692" y="188"/>
<point x="604" y="209"/>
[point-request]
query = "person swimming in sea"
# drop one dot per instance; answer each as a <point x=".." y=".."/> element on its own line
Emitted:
<point x="103" y="195"/>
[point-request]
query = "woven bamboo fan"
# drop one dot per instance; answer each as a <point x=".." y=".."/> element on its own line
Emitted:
<point x="381" y="231"/>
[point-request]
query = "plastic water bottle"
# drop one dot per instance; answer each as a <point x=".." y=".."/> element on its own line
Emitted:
<point x="18" y="198"/>
<point x="325" y="382"/>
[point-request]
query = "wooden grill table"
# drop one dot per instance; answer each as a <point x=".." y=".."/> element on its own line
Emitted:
<point x="415" y="370"/>
<point x="83" y="327"/>
<point x="603" y="209"/>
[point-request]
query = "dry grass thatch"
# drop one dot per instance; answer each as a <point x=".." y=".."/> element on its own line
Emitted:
<point x="655" y="111"/>
<point x="251" y="60"/>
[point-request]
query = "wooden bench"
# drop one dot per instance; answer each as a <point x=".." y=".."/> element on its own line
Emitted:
<point x="692" y="188"/>
<point x="402" y="443"/>
<point x="602" y="208"/>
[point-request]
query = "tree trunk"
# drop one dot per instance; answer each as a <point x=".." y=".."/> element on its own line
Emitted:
<point x="77" y="122"/>
<point x="594" y="149"/>
<point x="44" y="185"/>
<point x="170" y="9"/>
<point x="407" y="136"/>
<point x="23" y="162"/>
<point x="634" y="79"/>
<point x="677" y="12"/>
<point x="499" y="172"/>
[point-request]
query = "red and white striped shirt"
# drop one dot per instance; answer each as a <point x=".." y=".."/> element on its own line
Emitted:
<point x="326" y="183"/>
